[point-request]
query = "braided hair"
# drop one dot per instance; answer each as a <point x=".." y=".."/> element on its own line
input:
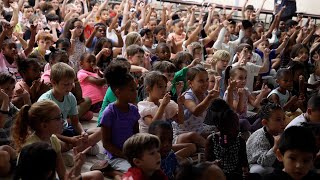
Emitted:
<point x="267" y="108"/>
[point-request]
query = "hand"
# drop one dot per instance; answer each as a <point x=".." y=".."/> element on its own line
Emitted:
<point x="266" y="52"/>
<point x="21" y="92"/>
<point x="14" y="6"/>
<point x="76" y="141"/>
<point x="276" y="142"/>
<point x="53" y="24"/>
<point x="294" y="98"/>
<point x="241" y="92"/>
<point x="265" y="90"/>
<point x="225" y="23"/>
<point x="165" y="100"/>
<point x="33" y="28"/>
<point x="105" y="51"/>
<point x="243" y="56"/>
<point x="179" y="87"/>
<point x="85" y="137"/>
<point x="72" y="31"/>
<point x="79" y="159"/>
<point x="193" y="8"/>
<point x="217" y="83"/>
<point x="3" y="95"/>
<point x="212" y="94"/>
<point x="181" y="99"/>
<point x="232" y="84"/>
<point x="195" y="62"/>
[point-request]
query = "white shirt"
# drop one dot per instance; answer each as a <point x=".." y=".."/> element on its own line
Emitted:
<point x="297" y="121"/>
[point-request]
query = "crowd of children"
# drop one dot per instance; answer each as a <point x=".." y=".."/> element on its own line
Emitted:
<point x="191" y="93"/>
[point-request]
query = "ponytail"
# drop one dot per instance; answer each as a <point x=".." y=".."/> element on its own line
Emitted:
<point x="227" y="76"/>
<point x="20" y="128"/>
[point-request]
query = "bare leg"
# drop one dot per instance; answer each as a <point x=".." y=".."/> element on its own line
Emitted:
<point x="184" y="150"/>
<point x="5" y="165"/>
<point x="191" y="137"/>
<point x="84" y="107"/>
<point x="92" y="175"/>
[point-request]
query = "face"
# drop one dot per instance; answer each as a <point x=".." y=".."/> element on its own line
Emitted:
<point x="28" y="12"/>
<point x="240" y="78"/>
<point x="152" y="25"/>
<point x="263" y="45"/>
<point x="178" y="28"/>
<point x="197" y="53"/>
<point x="296" y="163"/>
<point x="101" y="32"/>
<point x="88" y="63"/>
<point x="227" y="37"/>
<point x="200" y="82"/>
<point x="164" y="54"/>
<point x="159" y="89"/>
<point x="128" y="94"/>
<point x="231" y="28"/>
<point x="116" y="7"/>
<point x="148" y="40"/>
<point x="55" y="124"/>
<point x="64" y="86"/>
<point x="150" y="160"/>
<point x="314" y="115"/>
<point x="222" y="64"/>
<point x="166" y="138"/>
<point x="104" y="15"/>
<point x="212" y="81"/>
<point x="248" y="13"/>
<point x="44" y="44"/>
<point x="303" y="54"/>
<point x="276" y="123"/>
<point x="32" y="73"/>
<point x="109" y="46"/>
<point x="137" y="59"/>
<point x="248" y="32"/>
<point x="161" y="36"/>
<point x="79" y="28"/>
<point x="55" y="4"/>
<point x="8" y="89"/>
<point x="286" y="81"/>
<point x="79" y="8"/>
<point x="282" y="26"/>
<point x="10" y="51"/>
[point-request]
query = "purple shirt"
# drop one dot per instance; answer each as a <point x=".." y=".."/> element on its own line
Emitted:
<point x="121" y="123"/>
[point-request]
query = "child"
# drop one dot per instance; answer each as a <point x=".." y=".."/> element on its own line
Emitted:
<point x="142" y="151"/>
<point x="160" y="34"/>
<point x="62" y="79"/>
<point x="98" y="32"/>
<point x="104" y="53"/>
<point x="238" y="96"/>
<point x="201" y="171"/>
<point x="119" y="120"/>
<point x="219" y="63"/>
<point x="281" y="95"/>
<point x="32" y="166"/>
<point x="162" y="52"/>
<point x="297" y="150"/>
<point x="147" y="40"/>
<point x="315" y="77"/>
<point x="312" y="113"/>
<point x="30" y="70"/>
<point x="182" y="60"/>
<point x="197" y="100"/>
<point x="178" y="36"/>
<point x="92" y="84"/>
<point x="74" y="31"/>
<point x="57" y="55"/>
<point x="263" y="143"/>
<point x="44" y="41"/>
<point x="227" y="146"/>
<point x="7" y="114"/>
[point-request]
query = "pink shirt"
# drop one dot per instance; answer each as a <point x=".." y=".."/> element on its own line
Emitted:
<point x="94" y="92"/>
<point x="7" y="67"/>
<point x="46" y="76"/>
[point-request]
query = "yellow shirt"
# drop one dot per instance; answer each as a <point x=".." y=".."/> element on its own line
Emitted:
<point x="54" y="141"/>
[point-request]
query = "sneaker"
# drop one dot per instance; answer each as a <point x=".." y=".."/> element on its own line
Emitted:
<point x="87" y="116"/>
<point x="94" y="150"/>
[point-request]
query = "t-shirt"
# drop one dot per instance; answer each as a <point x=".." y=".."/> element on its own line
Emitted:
<point x="112" y="36"/>
<point x="272" y="55"/>
<point x="6" y="67"/>
<point x="121" y="123"/>
<point x="147" y="108"/>
<point x="93" y="44"/>
<point x="252" y="71"/>
<point x="297" y="121"/>
<point x="68" y="106"/>
<point x="94" y="92"/>
<point x="169" y="165"/>
<point x="191" y="123"/>
<point x="236" y="98"/>
<point x="45" y="77"/>
<point x="54" y="141"/>
<point x="109" y="97"/>
<point x="5" y="131"/>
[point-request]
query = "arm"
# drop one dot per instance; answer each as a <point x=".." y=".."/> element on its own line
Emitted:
<point x="212" y="35"/>
<point x="307" y="39"/>
<point x="243" y="9"/>
<point x="283" y="45"/>
<point x="15" y="16"/>
<point x="198" y="109"/>
<point x="208" y="23"/>
<point x="96" y="81"/>
<point x="63" y="8"/>
<point x="163" y="17"/>
<point x="209" y="156"/>
<point x="266" y="62"/>
<point x="88" y="42"/>
<point x="151" y="9"/>
<point x="142" y="15"/>
<point x="32" y="40"/>
<point x="76" y="124"/>
<point x="192" y="19"/>
<point x="218" y="44"/>
<point x="125" y="13"/>
<point x="4" y="107"/>
<point x="114" y="22"/>
<point x="120" y="40"/>
<point x="229" y="16"/>
<point x="102" y="6"/>
<point x="107" y="142"/>
<point x="259" y="10"/>
<point x="85" y="6"/>
<point x="60" y="167"/>
<point x="83" y="16"/>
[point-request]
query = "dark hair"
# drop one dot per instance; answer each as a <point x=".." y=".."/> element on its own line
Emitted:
<point x="158" y="29"/>
<point x="6" y="78"/>
<point x="162" y="46"/>
<point x="31" y="164"/>
<point x="65" y="43"/>
<point x="189" y="171"/>
<point x="182" y="57"/>
<point x="217" y="106"/>
<point x="134" y="49"/>
<point x="175" y="21"/>
<point x="175" y="18"/>
<point x="152" y="78"/>
<point x="70" y="25"/>
<point x="164" y="66"/>
<point x="59" y="55"/>
<point x="243" y="45"/>
<point x="246" y="40"/>
<point x="25" y="64"/>
<point x="297" y="138"/>
<point x="232" y="22"/>
<point x="136" y="145"/>
<point x="295" y="66"/>
<point x="267" y="108"/>
<point x="118" y="70"/>
<point x="290" y="23"/>
<point x="144" y="32"/>
<point x="87" y="54"/>
<point x="247" y="24"/>
<point x="192" y="72"/>
<point x="52" y="17"/>
<point x="99" y="46"/>
<point x="226" y="119"/>
<point x="314" y="103"/>
<point x="283" y="72"/>
<point x="250" y="7"/>
<point x="159" y="124"/>
<point x="296" y="48"/>
<point x="100" y="25"/>
<point x="231" y="72"/>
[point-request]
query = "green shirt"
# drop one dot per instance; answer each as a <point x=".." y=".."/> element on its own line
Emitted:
<point x="180" y="76"/>
<point x="110" y="97"/>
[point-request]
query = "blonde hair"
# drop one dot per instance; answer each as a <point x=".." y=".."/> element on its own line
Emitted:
<point x="29" y="119"/>
<point x="60" y="71"/>
<point x="212" y="72"/>
<point x="132" y="38"/>
<point x="220" y="55"/>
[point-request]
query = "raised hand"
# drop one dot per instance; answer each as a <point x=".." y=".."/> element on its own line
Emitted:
<point x="232" y="84"/>
<point x="181" y="99"/>
<point x="166" y="99"/>
<point x="3" y="95"/>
